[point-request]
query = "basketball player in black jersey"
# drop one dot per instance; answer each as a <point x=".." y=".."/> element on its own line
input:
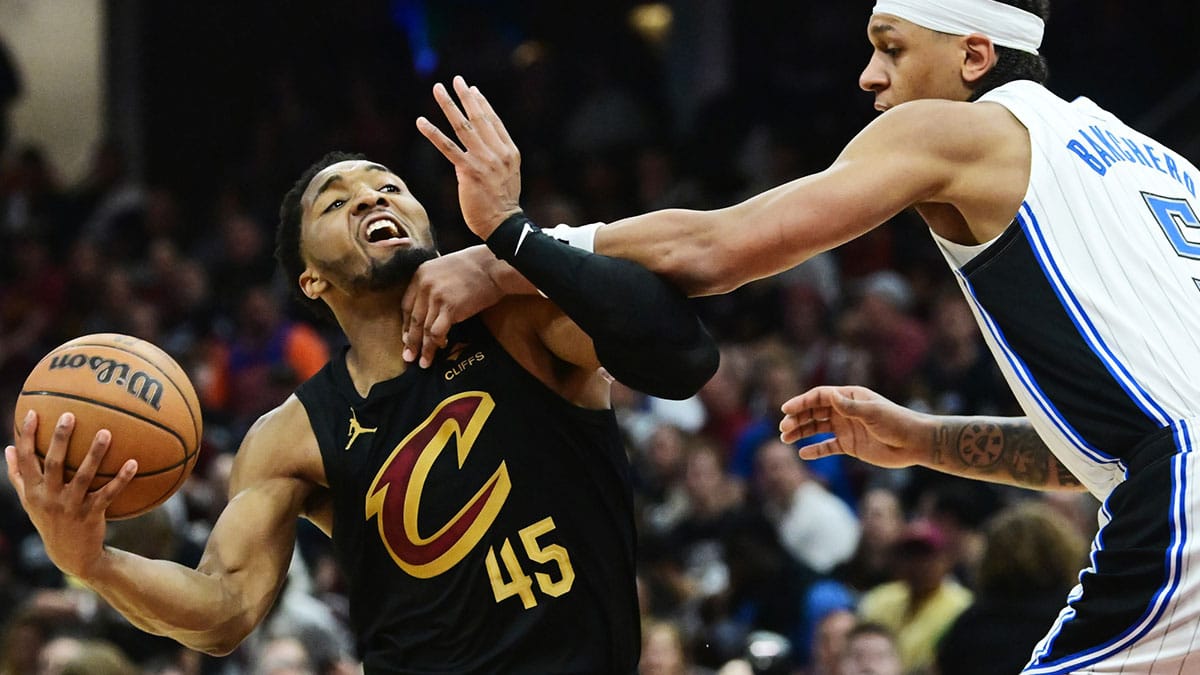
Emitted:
<point x="480" y="508"/>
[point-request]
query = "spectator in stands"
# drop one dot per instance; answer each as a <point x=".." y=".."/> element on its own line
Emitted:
<point x="813" y="524"/>
<point x="923" y="602"/>
<point x="871" y="649"/>
<point x="1031" y="556"/>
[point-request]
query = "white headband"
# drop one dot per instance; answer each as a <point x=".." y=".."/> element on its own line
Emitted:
<point x="1007" y="26"/>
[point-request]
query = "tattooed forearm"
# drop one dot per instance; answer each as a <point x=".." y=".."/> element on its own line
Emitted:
<point x="941" y="441"/>
<point x="999" y="450"/>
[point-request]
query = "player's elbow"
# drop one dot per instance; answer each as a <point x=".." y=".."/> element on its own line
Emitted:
<point x="715" y="274"/>
<point x="674" y="372"/>
<point x="708" y="264"/>
<point x="697" y="366"/>
<point x="220" y="641"/>
<point x="217" y="649"/>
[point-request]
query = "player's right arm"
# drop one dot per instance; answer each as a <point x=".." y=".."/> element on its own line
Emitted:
<point x="868" y="426"/>
<point x="211" y="608"/>
<point x="975" y="157"/>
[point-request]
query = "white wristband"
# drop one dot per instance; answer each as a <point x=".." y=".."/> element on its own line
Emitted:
<point x="582" y="237"/>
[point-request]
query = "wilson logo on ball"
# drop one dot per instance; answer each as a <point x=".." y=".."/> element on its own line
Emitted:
<point x="140" y="384"/>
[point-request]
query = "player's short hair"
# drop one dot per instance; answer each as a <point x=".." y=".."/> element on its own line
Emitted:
<point x="1014" y="64"/>
<point x="287" y="233"/>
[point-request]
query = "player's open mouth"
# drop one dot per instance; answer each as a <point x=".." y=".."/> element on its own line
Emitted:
<point x="384" y="230"/>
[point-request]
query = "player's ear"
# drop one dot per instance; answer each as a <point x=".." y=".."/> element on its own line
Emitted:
<point x="312" y="284"/>
<point x="979" y="57"/>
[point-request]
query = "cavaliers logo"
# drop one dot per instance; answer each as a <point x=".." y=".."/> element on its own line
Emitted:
<point x="395" y="495"/>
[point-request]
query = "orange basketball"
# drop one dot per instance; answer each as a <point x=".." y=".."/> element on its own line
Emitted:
<point x="137" y="392"/>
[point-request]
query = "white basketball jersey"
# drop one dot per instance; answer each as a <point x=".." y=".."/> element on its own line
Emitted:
<point x="1089" y="301"/>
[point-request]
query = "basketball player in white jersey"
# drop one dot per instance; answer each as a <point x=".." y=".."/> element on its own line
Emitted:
<point x="1076" y="240"/>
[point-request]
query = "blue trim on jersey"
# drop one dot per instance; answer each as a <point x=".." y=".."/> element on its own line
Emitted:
<point x="1087" y="330"/>
<point x="1048" y="408"/>
<point x="1161" y="598"/>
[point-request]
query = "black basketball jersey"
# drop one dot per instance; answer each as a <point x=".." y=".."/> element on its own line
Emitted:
<point x="483" y="523"/>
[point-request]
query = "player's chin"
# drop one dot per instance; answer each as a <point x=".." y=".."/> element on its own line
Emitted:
<point x="399" y="268"/>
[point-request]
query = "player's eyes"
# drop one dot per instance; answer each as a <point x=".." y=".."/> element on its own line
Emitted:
<point x="389" y="188"/>
<point x="335" y="204"/>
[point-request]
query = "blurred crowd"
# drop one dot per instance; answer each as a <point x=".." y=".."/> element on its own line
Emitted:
<point x="751" y="561"/>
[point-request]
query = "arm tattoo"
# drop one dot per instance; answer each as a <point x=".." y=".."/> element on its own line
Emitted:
<point x="1028" y="459"/>
<point x="941" y="441"/>
<point x="980" y="445"/>
<point x="997" y="450"/>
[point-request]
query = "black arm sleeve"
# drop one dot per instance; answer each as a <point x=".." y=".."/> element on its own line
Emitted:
<point x="645" y="332"/>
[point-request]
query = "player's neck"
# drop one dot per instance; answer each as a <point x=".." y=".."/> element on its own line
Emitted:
<point x="376" y="348"/>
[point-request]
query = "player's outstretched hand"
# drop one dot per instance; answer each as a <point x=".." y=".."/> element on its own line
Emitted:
<point x="67" y="513"/>
<point x="489" y="168"/>
<point x="864" y="424"/>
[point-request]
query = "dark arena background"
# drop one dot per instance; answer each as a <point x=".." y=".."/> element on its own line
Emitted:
<point x="145" y="149"/>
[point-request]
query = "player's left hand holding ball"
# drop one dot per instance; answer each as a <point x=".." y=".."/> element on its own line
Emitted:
<point x="69" y="517"/>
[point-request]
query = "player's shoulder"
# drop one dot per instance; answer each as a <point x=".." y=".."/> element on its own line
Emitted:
<point x="956" y="128"/>
<point x="281" y="443"/>
<point x="958" y="135"/>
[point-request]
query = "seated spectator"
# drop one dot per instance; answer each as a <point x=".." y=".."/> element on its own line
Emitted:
<point x="268" y="357"/>
<point x="814" y="525"/>
<point x="882" y="520"/>
<point x="658" y="474"/>
<point x="285" y="655"/>
<point x="883" y="320"/>
<point x="1030" y="560"/>
<point x="829" y="642"/>
<point x="776" y="377"/>
<point x="871" y="649"/>
<point x="958" y="376"/>
<point x="923" y="602"/>
<point x="70" y="656"/>
<point x="663" y="651"/>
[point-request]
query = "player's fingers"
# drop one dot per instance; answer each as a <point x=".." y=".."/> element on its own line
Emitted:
<point x="805" y="414"/>
<point x="414" y="329"/>
<point x="27" y="463"/>
<point x="56" y="454"/>
<point x="14" y="471"/>
<point x="442" y="142"/>
<point x="791" y="429"/>
<point x="788" y="428"/>
<point x="817" y="397"/>
<point x="435" y="337"/>
<point x="101" y="498"/>
<point x="479" y="117"/>
<point x="797" y="404"/>
<point x="86" y="472"/>
<point x="822" y="449"/>
<point x="462" y="125"/>
<point x="492" y="118"/>
<point x="848" y="406"/>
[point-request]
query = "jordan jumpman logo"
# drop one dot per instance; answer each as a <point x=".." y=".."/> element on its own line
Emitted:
<point x="357" y="430"/>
